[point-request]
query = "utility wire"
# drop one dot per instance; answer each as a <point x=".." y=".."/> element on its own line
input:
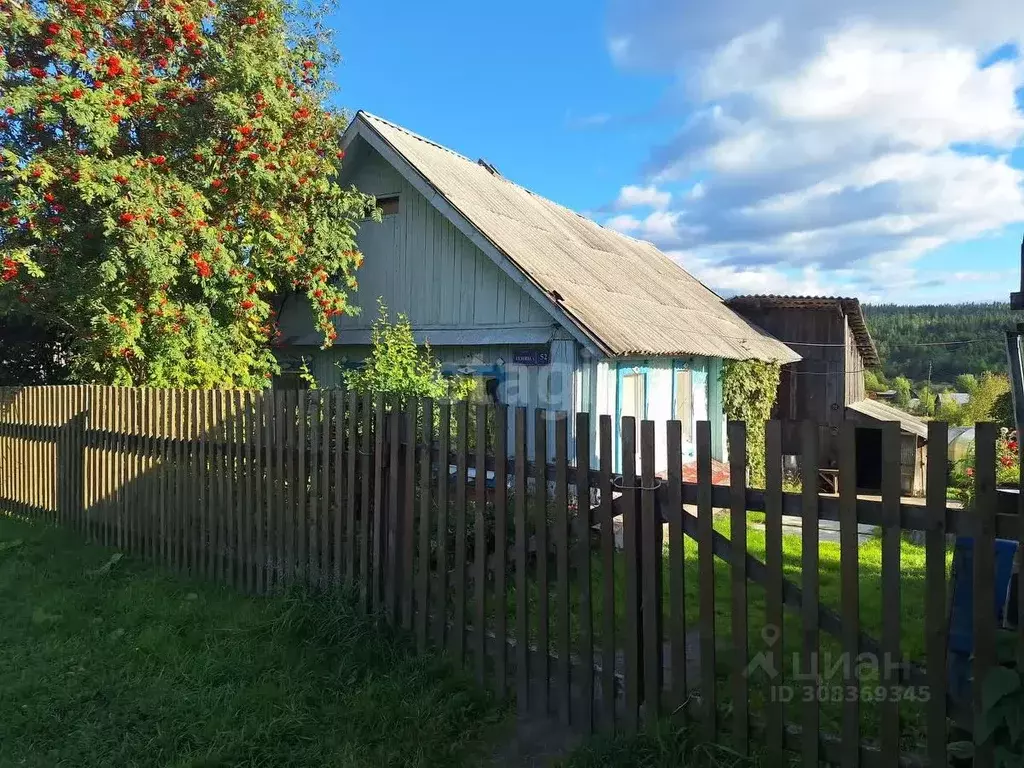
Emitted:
<point x="919" y="344"/>
<point x="791" y="372"/>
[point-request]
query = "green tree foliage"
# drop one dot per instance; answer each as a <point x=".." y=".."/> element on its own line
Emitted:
<point x="749" y="388"/>
<point x="1002" y="411"/>
<point x="928" y="400"/>
<point x="874" y="381"/>
<point x="948" y="410"/>
<point x="966" y="382"/>
<point x="167" y="173"/>
<point x="397" y="368"/>
<point x="983" y="400"/>
<point x="902" y="386"/>
<point x="990" y="401"/>
<point x="899" y="330"/>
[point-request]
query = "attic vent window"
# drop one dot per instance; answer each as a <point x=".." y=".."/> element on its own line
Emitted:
<point x="493" y="171"/>
<point x="388" y="205"/>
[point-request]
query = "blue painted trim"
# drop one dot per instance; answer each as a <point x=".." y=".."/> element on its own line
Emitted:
<point x="450" y="369"/>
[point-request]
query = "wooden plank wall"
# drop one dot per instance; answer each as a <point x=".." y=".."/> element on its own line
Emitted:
<point x="514" y="566"/>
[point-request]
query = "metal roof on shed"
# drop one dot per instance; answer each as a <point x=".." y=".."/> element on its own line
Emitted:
<point x="624" y="294"/>
<point x="879" y="411"/>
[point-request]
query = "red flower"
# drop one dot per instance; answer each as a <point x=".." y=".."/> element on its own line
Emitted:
<point x="53" y="28"/>
<point x="307" y="64"/>
<point x="247" y="304"/>
<point x="197" y="157"/>
<point x="254" y="156"/>
<point x="158" y="160"/>
<point x="120" y="179"/>
<point x="48" y="197"/>
<point x="76" y="94"/>
<point x="127" y="218"/>
<point x="9" y="111"/>
<point x="37" y="72"/>
<point x="169" y="45"/>
<point x="115" y="119"/>
<point x="245" y="130"/>
<point x="249" y="21"/>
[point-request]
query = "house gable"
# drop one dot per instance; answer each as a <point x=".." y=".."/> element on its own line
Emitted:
<point x="423" y="266"/>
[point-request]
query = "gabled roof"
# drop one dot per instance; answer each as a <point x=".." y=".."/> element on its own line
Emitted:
<point x="623" y="295"/>
<point x="879" y="411"/>
<point x="849" y="307"/>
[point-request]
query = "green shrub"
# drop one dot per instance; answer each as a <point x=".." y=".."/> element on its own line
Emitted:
<point x="397" y="369"/>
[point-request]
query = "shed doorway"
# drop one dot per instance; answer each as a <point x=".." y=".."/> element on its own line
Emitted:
<point x="869" y="459"/>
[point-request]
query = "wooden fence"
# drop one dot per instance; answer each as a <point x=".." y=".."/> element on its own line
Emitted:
<point x="517" y="568"/>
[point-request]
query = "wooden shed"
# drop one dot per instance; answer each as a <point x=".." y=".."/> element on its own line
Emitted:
<point x="827" y="384"/>
<point x="869" y="415"/>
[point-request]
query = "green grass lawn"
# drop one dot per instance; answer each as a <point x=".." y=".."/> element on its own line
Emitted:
<point x="108" y="663"/>
<point x="912" y="617"/>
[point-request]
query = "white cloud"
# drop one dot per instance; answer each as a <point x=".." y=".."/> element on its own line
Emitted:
<point x="831" y="137"/>
<point x="624" y="223"/>
<point x="733" y="281"/>
<point x="632" y="196"/>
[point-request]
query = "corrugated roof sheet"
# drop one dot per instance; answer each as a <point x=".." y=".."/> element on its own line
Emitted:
<point x="960" y="398"/>
<point x="884" y="412"/>
<point x="849" y="306"/>
<point x="625" y="294"/>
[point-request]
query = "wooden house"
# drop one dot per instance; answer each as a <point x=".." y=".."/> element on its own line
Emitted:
<point x="547" y="308"/>
<point x="827" y="384"/>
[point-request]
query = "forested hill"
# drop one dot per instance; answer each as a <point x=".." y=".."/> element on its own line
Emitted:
<point x="899" y="331"/>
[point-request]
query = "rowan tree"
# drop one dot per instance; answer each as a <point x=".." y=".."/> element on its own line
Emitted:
<point x="167" y="172"/>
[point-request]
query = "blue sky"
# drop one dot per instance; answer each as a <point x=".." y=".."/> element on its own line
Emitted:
<point x="871" y="150"/>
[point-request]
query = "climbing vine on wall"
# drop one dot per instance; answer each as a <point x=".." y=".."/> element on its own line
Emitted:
<point x="748" y="394"/>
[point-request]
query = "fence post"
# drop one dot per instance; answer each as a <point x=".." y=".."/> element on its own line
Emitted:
<point x="984" y="576"/>
<point x="649" y="544"/>
<point x="631" y="541"/>
<point x="737" y="433"/>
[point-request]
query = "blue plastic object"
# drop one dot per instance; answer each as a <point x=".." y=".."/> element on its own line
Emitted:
<point x="961" y="619"/>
